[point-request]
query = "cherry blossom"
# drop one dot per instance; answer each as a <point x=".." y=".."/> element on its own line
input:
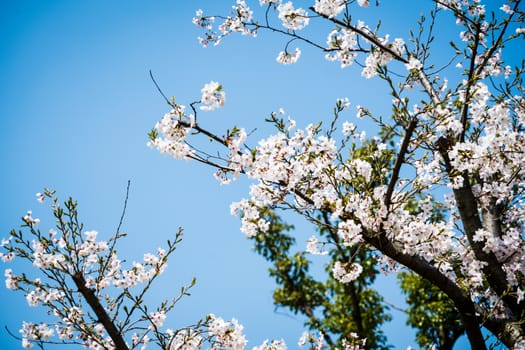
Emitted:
<point x="228" y="335"/>
<point x="315" y="247"/>
<point x="186" y="340"/>
<point x="346" y="273"/>
<point x="363" y="3"/>
<point x="342" y="44"/>
<point x="413" y="63"/>
<point x="83" y="284"/>
<point x="292" y="18"/>
<point x="439" y="189"/>
<point x="330" y="8"/>
<point x="274" y="345"/>
<point x="458" y="150"/>
<point x="288" y="57"/>
<point x="212" y="96"/>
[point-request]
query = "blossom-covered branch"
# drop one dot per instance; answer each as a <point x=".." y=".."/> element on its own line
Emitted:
<point x="439" y="190"/>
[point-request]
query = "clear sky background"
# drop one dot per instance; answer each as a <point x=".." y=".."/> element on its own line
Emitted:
<point x="76" y="103"/>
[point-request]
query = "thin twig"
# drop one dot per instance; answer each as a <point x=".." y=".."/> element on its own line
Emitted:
<point x="124" y="208"/>
<point x="40" y="343"/>
<point x="158" y="88"/>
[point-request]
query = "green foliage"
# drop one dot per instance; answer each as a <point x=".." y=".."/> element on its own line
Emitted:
<point x="298" y="290"/>
<point x="431" y="312"/>
<point x="339" y="309"/>
<point x="331" y="307"/>
<point x="356" y="307"/>
<point x="153" y="134"/>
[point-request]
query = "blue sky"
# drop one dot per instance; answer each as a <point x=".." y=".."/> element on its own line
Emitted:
<point x="76" y="103"/>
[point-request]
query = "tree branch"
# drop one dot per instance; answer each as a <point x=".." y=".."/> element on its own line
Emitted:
<point x="461" y="300"/>
<point x="98" y="309"/>
<point x="399" y="161"/>
<point x="470" y="82"/>
<point x="371" y="38"/>
<point x="470" y="218"/>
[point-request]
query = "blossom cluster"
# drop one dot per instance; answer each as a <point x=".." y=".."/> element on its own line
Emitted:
<point x="473" y="8"/>
<point x="315" y="247"/>
<point x="67" y="253"/>
<point x="303" y="170"/>
<point x="466" y="141"/>
<point x="186" y="339"/>
<point x="346" y="274"/>
<point x="330" y="8"/>
<point x="32" y="331"/>
<point x="227" y="335"/>
<point x="174" y="126"/>
<point x="342" y="44"/>
<point x="212" y="96"/>
<point x="286" y="57"/>
<point x="241" y="16"/>
<point x="350" y="342"/>
<point x="379" y="57"/>
<point x="292" y="18"/>
<point x="300" y="167"/>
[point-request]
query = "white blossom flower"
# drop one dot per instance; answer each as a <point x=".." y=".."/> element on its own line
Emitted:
<point x="413" y="64"/>
<point x="91" y="236"/>
<point x="305" y="338"/>
<point x="344" y="103"/>
<point x="11" y="281"/>
<point x="350" y="232"/>
<point x="346" y="273"/>
<point x="269" y="2"/>
<point x="212" y="96"/>
<point x="506" y="8"/>
<point x="228" y="334"/>
<point x="286" y="57"/>
<point x="329" y="8"/>
<point x="293" y="19"/>
<point x="30" y="220"/>
<point x="342" y="44"/>
<point x="157" y="318"/>
<point x="362" y="168"/>
<point x="7" y="257"/>
<point x="6" y="241"/>
<point x="349" y="128"/>
<point x="201" y="21"/>
<point x="314" y="247"/>
<point x="274" y="345"/>
<point x="99" y="329"/>
<point x="40" y="197"/>
<point x="243" y="11"/>
<point x="186" y="340"/>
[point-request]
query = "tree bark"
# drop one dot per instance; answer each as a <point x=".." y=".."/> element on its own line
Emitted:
<point x="99" y="310"/>
<point x="470" y="217"/>
<point x="462" y="301"/>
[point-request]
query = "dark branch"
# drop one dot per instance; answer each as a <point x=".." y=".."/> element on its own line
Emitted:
<point x="461" y="300"/>
<point x="98" y="309"/>
<point x="399" y="161"/>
